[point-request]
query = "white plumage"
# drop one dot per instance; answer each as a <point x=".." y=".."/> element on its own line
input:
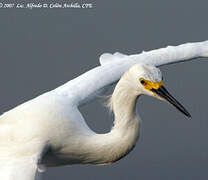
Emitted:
<point x="50" y="130"/>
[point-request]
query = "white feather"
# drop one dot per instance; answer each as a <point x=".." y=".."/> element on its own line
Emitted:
<point x="51" y="124"/>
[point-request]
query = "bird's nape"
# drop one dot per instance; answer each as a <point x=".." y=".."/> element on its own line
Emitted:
<point x="165" y="95"/>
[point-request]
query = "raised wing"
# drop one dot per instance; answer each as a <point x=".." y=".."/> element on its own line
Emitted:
<point x="88" y="85"/>
<point x="172" y="54"/>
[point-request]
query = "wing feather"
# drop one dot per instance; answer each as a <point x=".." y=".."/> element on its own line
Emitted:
<point x="86" y="87"/>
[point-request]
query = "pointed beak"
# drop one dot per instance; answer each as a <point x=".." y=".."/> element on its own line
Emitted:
<point x="164" y="94"/>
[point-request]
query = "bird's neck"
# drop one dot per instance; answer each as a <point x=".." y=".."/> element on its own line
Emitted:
<point x="110" y="147"/>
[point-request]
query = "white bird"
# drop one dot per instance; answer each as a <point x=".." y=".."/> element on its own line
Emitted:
<point x="50" y="130"/>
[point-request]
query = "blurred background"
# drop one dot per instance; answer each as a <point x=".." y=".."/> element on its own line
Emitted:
<point x="41" y="49"/>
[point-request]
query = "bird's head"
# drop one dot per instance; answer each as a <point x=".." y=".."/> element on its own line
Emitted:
<point x="147" y="79"/>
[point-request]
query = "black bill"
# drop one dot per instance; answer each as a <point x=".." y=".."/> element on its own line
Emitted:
<point x="162" y="92"/>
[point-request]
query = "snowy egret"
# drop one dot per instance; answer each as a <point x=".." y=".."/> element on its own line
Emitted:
<point x="50" y="130"/>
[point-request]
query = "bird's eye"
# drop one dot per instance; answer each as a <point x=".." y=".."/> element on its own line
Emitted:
<point x="142" y="82"/>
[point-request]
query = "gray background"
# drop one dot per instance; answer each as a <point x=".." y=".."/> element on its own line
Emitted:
<point x="42" y="49"/>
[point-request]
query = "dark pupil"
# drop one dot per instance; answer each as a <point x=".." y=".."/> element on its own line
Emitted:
<point x="142" y="81"/>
